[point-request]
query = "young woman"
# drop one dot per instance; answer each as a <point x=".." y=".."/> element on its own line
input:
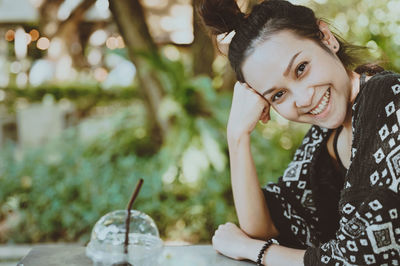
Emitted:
<point x="338" y="201"/>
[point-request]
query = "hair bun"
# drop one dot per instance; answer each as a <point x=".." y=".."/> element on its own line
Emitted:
<point x="220" y="16"/>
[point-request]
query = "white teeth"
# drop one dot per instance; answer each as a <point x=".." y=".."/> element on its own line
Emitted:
<point x="324" y="103"/>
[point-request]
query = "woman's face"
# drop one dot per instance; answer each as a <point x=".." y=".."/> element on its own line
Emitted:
<point x="301" y="81"/>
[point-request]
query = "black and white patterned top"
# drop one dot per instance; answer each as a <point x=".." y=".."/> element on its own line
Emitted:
<point x="353" y="217"/>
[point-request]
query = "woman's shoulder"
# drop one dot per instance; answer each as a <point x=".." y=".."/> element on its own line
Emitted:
<point x="381" y="84"/>
<point x="378" y="93"/>
<point x="305" y="154"/>
<point x="383" y="76"/>
<point x="376" y="112"/>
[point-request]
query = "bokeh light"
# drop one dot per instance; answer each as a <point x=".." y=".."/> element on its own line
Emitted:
<point x="56" y="47"/>
<point x="42" y="70"/>
<point x="22" y="79"/>
<point x="171" y="52"/>
<point x="64" y="69"/>
<point x="175" y="23"/>
<point x="120" y="42"/>
<point x="112" y="43"/>
<point x="10" y="35"/>
<point x="65" y="9"/>
<point x="100" y="74"/>
<point x="98" y="37"/>
<point x="158" y="4"/>
<point x="50" y="28"/>
<point x="167" y="23"/>
<point x="28" y="38"/>
<point x="34" y="35"/>
<point x="43" y="43"/>
<point x="182" y="37"/>
<point x="94" y="57"/>
<point x="4" y="79"/>
<point x="36" y="3"/>
<point x="20" y="43"/>
<point x="15" y="67"/>
<point x="102" y="5"/>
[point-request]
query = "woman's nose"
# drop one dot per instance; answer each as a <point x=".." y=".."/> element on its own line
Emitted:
<point x="303" y="97"/>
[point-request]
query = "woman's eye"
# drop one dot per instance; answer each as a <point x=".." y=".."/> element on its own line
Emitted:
<point x="277" y="96"/>
<point x="300" y="69"/>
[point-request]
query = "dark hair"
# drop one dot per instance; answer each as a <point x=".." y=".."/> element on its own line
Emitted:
<point x="265" y="19"/>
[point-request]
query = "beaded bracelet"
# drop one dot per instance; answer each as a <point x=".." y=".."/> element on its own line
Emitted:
<point x="267" y="244"/>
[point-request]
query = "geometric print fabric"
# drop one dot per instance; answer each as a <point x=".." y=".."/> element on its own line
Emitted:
<point x="369" y="228"/>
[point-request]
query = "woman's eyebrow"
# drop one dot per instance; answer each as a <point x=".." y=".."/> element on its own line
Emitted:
<point x="284" y="73"/>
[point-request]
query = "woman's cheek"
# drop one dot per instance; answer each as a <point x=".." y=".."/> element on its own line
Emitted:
<point x="286" y="110"/>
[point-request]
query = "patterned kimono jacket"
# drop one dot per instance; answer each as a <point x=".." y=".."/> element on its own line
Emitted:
<point x="346" y="217"/>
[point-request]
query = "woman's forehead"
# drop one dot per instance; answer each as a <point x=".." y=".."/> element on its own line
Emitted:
<point x="279" y="46"/>
<point x="271" y="57"/>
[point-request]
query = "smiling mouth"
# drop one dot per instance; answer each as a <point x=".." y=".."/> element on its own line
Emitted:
<point x="323" y="104"/>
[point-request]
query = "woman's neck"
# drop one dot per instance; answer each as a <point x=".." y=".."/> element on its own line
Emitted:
<point x="345" y="139"/>
<point x="354" y="90"/>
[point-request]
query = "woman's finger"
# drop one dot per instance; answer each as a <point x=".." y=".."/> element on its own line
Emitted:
<point x="262" y="116"/>
<point x="266" y="119"/>
<point x="259" y="94"/>
<point x="265" y="114"/>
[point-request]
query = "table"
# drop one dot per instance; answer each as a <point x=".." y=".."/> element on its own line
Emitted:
<point x="72" y="255"/>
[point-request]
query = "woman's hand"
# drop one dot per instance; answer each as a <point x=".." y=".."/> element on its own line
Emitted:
<point x="247" y="109"/>
<point x="231" y="241"/>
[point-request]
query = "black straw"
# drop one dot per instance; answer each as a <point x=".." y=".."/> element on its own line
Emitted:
<point x="128" y="216"/>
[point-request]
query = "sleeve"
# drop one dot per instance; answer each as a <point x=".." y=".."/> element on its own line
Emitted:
<point x="290" y="200"/>
<point x="369" y="231"/>
<point x="294" y="228"/>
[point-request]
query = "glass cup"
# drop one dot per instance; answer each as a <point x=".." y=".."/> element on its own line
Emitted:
<point x="106" y="246"/>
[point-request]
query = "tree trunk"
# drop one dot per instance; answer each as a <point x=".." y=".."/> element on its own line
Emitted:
<point x="71" y="31"/>
<point x="129" y="17"/>
<point x="229" y="79"/>
<point x="202" y="47"/>
<point x="48" y="14"/>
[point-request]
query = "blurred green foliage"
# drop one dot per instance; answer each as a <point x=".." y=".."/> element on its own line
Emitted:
<point x="375" y="24"/>
<point x="58" y="191"/>
<point x="84" y="96"/>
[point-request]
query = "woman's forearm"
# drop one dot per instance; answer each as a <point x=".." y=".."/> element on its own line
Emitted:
<point x="275" y="255"/>
<point x="251" y="208"/>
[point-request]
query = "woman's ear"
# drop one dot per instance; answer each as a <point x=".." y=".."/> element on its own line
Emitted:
<point x="328" y="38"/>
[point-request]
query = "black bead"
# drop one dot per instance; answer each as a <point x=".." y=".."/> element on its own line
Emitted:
<point x="267" y="244"/>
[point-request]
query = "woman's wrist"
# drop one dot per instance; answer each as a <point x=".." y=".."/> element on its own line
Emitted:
<point x="253" y="247"/>
<point x="235" y="139"/>
<point x="274" y="255"/>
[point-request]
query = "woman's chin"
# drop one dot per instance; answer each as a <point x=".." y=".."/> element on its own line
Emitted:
<point x="332" y="124"/>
